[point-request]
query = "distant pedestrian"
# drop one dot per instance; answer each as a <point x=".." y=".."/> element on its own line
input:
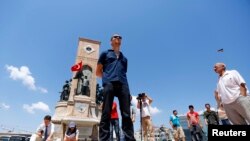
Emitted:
<point x="178" y="132"/>
<point x="162" y="134"/>
<point x="194" y="124"/>
<point x="114" y="123"/>
<point x="222" y="115"/>
<point x="210" y="116"/>
<point x="232" y="92"/>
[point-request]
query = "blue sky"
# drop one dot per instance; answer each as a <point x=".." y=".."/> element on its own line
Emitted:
<point x="171" y="48"/>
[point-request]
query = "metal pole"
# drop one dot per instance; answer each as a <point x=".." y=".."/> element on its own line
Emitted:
<point x="141" y="116"/>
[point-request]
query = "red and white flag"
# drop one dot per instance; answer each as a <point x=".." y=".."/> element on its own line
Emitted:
<point x="77" y="67"/>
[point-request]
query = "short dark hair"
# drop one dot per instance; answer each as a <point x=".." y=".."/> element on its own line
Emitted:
<point x="207" y="104"/>
<point x="47" y="117"/>
<point x="174" y="111"/>
<point x="190" y="106"/>
<point x="41" y="131"/>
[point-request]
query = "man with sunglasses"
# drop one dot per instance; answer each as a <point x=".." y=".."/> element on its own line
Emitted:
<point x="112" y="68"/>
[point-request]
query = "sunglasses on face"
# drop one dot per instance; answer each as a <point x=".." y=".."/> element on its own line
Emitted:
<point x="117" y="37"/>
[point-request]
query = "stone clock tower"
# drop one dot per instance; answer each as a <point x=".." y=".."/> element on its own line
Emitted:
<point x="80" y="106"/>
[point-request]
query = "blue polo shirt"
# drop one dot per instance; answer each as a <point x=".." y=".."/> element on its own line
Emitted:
<point x="175" y="120"/>
<point x="114" y="69"/>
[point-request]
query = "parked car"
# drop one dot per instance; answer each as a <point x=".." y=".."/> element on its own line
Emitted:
<point x="4" y="138"/>
<point x="27" y="139"/>
<point x="17" y="138"/>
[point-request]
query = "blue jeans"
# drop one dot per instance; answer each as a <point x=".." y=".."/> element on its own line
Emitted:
<point x="196" y="133"/>
<point x="114" y="123"/>
<point x="225" y="122"/>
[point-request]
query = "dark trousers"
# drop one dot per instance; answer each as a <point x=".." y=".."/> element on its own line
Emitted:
<point x="121" y="91"/>
<point x="225" y="122"/>
<point x="196" y="133"/>
<point x="114" y="124"/>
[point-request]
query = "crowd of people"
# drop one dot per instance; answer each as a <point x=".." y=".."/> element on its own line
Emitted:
<point x="231" y="96"/>
<point x="233" y="102"/>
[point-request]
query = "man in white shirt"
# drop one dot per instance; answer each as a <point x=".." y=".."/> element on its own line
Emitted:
<point x="146" y="116"/>
<point x="47" y="127"/>
<point x="232" y="92"/>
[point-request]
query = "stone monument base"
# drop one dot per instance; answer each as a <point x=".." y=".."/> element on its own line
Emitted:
<point x="88" y="128"/>
<point x="87" y="122"/>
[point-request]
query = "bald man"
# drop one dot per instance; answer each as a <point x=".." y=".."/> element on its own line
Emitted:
<point x="232" y="92"/>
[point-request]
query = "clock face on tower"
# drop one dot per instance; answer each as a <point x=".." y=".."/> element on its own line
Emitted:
<point x="89" y="49"/>
<point x="81" y="107"/>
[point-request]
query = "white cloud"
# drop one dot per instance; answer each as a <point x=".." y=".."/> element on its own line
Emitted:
<point x="43" y="90"/>
<point x="4" y="106"/>
<point x="36" y="106"/>
<point x="153" y="110"/>
<point x="23" y="74"/>
<point x="200" y="112"/>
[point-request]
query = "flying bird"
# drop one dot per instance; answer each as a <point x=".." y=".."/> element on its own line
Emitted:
<point x="220" y="50"/>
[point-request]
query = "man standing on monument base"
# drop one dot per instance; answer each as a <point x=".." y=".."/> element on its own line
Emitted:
<point x="112" y="68"/>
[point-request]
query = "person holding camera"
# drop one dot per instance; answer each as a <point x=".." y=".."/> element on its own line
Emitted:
<point x="112" y="68"/>
<point x="178" y="132"/>
<point x="146" y="115"/>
